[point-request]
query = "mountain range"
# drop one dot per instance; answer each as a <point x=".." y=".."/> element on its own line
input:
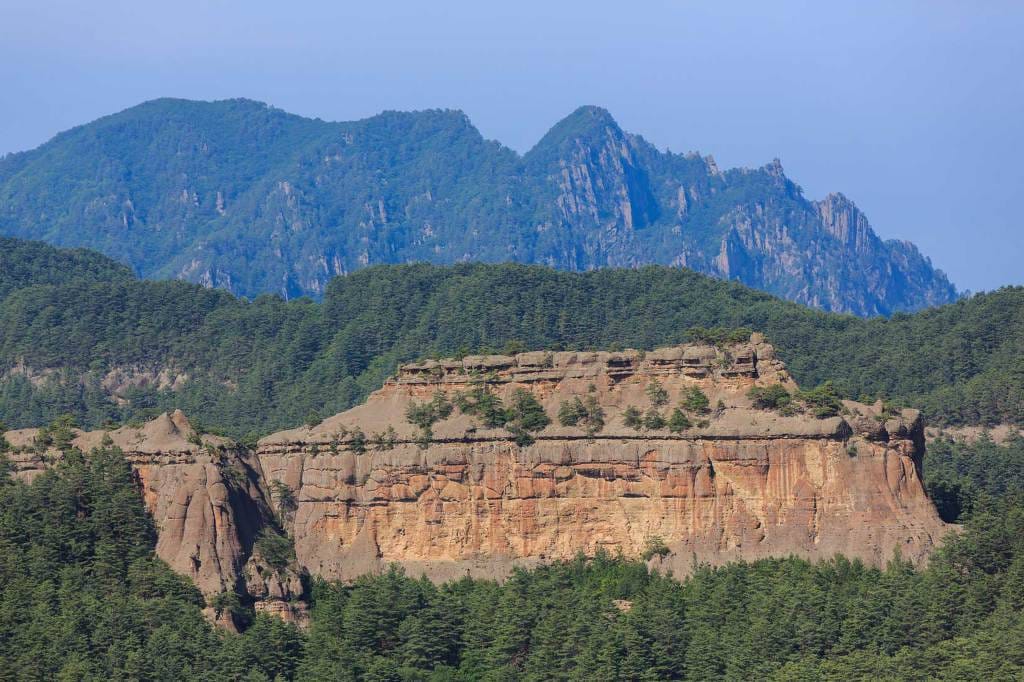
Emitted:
<point x="238" y="195"/>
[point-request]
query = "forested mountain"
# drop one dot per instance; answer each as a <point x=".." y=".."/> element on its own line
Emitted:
<point x="123" y="349"/>
<point x="25" y="263"/>
<point x="238" y="195"/>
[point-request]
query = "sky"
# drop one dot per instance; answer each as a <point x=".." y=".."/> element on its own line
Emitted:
<point x="914" y="110"/>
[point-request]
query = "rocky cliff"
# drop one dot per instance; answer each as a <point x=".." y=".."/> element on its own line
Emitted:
<point x="239" y="195"/>
<point x="207" y="497"/>
<point x="738" y="483"/>
<point x="474" y="466"/>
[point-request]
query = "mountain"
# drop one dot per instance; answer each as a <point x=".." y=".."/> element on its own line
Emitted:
<point x="238" y="195"/>
<point x="123" y="349"/>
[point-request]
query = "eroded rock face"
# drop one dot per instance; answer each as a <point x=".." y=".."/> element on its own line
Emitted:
<point x="740" y="483"/>
<point x="206" y="496"/>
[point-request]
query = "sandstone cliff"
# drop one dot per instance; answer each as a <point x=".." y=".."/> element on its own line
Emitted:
<point x="739" y="483"/>
<point x="207" y="499"/>
<point x="720" y="480"/>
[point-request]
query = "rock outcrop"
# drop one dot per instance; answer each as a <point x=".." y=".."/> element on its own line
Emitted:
<point x="668" y="452"/>
<point x="740" y="483"/>
<point x="207" y="498"/>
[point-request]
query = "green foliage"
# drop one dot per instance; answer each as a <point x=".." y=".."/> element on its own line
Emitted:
<point x="202" y="187"/>
<point x="480" y="402"/>
<point x="655" y="546"/>
<point x="571" y="412"/>
<point x="653" y="420"/>
<point x="633" y="418"/>
<point x="823" y="401"/>
<point x="678" y="421"/>
<point x="263" y="365"/>
<point x="656" y="393"/>
<point x="287" y="503"/>
<point x="774" y="397"/>
<point x="83" y="596"/>
<point x="960" y="475"/>
<point x="385" y="440"/>
<point x="357" y="441"/>
<point x="718" y="336"/>
<point x="586" y="413"/>
<point x="525" y="417"/>
<point x="275" y="548"/>
<point x="425" y="415"/>
<point x="695" y="400"/>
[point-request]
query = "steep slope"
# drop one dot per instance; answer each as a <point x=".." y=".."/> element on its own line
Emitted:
<point x="238" y="195"/>
<point x="456" y="494"/>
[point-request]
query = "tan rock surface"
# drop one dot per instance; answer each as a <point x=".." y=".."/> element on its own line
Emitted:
<point x="745" y="484"/>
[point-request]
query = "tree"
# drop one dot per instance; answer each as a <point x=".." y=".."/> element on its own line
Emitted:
<point x="633" y="418"/>
<point x="678" y="421"/>
<point x="656" y="393"/>
<point x="695" y="400"/>
<point x="526" y="416"/>
<point x="772" y="397"/>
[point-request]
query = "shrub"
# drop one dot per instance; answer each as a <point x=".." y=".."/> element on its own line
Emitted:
<point x="357" y="441"/>
<point x="633" y="418"/>
<point x="653" y="420"/>
<point x="480" y="402"/>
<point x="822" y="401"/>
<point x="772" y="397"/>
<point x="656" y="393"/>
<point x="695" y="400"/>
<point x="276" y="549"/>
<point x="678" y="421"/>
<point x="526" y="416"/>
<point x="655" y="546"/>
<point x="571" y="412"/>
<point x="595" y="415"/>
<point x="285" y="496"/>
<point x="385" y="440"/>
<point x="425" y="415"/>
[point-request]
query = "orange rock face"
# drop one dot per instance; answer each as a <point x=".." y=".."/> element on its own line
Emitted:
<point x="740" y="483"/>
<point x="368" y="488"/>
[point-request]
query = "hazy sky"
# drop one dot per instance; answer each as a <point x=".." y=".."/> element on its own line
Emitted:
<point x="915" y="110"/>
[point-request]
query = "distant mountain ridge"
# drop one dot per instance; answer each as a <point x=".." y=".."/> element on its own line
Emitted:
<point x="242" y="196"/>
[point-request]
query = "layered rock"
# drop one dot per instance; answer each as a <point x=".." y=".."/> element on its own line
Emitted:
<point x="741" y="483"/>
<point x="207" y="498"/>
<point x="366" y="488"/>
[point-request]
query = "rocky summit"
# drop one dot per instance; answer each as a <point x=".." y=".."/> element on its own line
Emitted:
<point x="473" y="466"/>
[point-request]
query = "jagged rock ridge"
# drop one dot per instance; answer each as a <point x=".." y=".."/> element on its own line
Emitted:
<point x="238" y="195"/>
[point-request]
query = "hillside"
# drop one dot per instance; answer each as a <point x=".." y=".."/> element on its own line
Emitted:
<point x="24" y="263"/>
<point x="124" y="349"/>
<point x="238" y="195"/>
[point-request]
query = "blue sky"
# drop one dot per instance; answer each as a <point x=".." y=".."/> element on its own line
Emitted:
<point x="915" y="110"/>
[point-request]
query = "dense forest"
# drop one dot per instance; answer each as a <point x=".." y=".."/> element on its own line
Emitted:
<point x="82" y="597"/>
<point x="242" y="196"/>
<point x="68" y="342"/>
